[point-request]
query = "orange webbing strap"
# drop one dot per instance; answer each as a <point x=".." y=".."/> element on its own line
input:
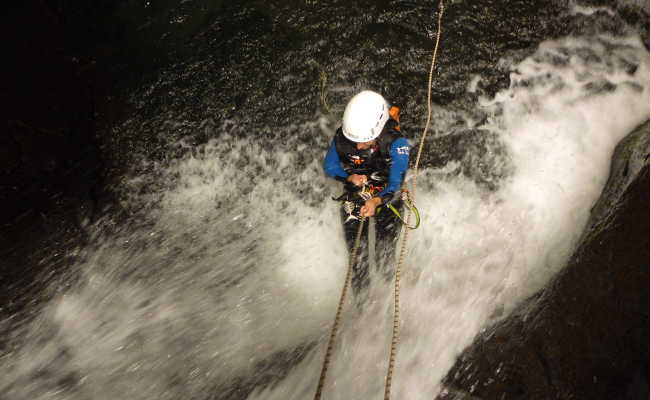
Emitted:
<point x="394" y="114"/>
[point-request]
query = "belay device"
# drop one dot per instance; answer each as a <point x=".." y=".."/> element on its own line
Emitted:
<point x="353" y="200"/>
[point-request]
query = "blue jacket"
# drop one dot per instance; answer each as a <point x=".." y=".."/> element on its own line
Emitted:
<point x="393" y="164"/>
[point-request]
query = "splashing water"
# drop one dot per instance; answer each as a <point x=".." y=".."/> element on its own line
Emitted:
<point x="477" y="254"/>
<point x="231" y="279"/>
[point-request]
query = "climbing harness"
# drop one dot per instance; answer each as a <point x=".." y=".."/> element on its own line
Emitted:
<point x="354" y="200"/>
<point x="408" y="198"/>
<point x="352" y="203"/>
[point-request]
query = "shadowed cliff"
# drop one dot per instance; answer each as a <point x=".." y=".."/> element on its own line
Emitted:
<point x="585" y="336"/>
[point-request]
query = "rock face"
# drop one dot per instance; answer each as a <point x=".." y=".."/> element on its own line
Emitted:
<point x="587" y="334"/>
<point x="50" y="163"/>
<point x="49" y="150"/>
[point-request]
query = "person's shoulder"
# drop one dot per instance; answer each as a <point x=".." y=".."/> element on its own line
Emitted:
<point x="400" y="141"/>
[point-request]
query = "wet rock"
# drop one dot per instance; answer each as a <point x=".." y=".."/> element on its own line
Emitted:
<point x="50" y="165"/>
<point x="585" y="336"/>
<point x="49" y="149"/>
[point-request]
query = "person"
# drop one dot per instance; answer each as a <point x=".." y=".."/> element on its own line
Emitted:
<point x="370" y="156"/>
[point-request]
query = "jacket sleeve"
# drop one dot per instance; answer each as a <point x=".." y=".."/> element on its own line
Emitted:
<point x="399" y="154"/>
<point x="332" y="164"/>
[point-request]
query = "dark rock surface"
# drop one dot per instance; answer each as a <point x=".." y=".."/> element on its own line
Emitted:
<point x="52" y="172"/>
<point x="69" y="66"/>
<point x="48" y="144"/>
<point x="585" y="336"/>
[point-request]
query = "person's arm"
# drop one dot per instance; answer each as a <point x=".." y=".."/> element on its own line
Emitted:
<point x="332" y="164"/>
<point x="399" y="154"/>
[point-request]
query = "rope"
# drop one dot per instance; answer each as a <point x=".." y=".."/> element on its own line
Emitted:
<point x="402" y="255"/>
<point x="426" y="126"/>
<point x="372" y="243"/>
<point x="337" y="319"/>
<point x="406" y="199"/>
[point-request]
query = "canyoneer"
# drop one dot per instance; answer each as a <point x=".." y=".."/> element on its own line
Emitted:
<point x="370" y="156"/>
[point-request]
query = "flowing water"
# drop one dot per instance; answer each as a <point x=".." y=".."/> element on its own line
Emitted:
<point x="224" y="280"/>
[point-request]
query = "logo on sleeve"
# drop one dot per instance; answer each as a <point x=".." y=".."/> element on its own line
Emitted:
<point x="404" y="150"/>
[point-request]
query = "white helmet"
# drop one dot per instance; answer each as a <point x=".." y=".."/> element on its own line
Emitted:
<point x="365" y="116"/>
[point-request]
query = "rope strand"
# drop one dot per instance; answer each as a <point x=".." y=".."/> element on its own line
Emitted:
<point x="402" y="255"/>
<point x="339" y="311"/>
<point x="426" y="126"/>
